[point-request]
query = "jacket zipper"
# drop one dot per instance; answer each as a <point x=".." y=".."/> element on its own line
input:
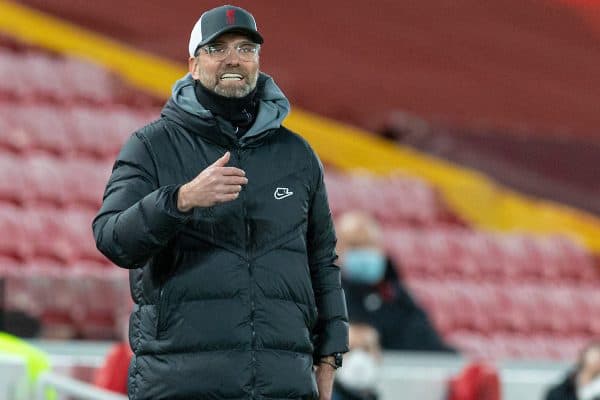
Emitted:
<point x="159" y="310"/>
<point x="247" y="237"/>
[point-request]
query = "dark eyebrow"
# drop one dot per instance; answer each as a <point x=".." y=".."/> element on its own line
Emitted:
<point x="242" y="43"/>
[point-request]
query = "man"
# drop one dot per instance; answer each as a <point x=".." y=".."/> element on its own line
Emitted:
<point x="222" y="216"/>
<point x="16" y="322"/>
<point x="584" y="382"/>
<point x="374" y="293"/>
<point x="356" y="380"/>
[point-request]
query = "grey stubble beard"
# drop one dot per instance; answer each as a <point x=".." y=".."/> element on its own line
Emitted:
<point x="212" y="83"/>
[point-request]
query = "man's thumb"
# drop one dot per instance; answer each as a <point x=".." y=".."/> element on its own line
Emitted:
<point x="221" y="162"/>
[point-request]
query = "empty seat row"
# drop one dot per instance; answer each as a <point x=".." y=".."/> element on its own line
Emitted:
<point x="391" y="199"/>
<point x="29" y="74"/>
<point x="503" y="346"/>
<point x="64" y="235"/>
<point x="30" y="285"/>
<point x="85" y="301"/>
<point x="37" y="75"/>
<point x="510" y="307"/>
<point x="39" y="179"/>
<point x="468" y="254"/>
<point x="62" y="130"/>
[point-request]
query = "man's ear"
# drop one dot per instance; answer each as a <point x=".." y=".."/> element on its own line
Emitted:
<point x="193" y="66"/>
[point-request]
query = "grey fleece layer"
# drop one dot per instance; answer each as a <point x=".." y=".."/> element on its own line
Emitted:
<point x="272" y="110"/>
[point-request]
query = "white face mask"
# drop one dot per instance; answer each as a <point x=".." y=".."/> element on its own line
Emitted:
<point x="359" y="371"/>
<point x="589" y="391"/>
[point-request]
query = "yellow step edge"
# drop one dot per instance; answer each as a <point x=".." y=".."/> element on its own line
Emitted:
<point x="472" y="195"/>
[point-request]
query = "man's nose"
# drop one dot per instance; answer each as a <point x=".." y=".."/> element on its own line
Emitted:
<point x="232" y="56"/>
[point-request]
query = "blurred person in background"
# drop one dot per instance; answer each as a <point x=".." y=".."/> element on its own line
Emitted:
<point x="19" y="323"/>
<point x="358" y="376"/>
<point x="583" y="383"/>
<point x="221" y="215"/>
<point x="16" y="322"/>
<point x="112" y="374"/>
<point x="478" y="380"/>
<point x="374" y="293"/>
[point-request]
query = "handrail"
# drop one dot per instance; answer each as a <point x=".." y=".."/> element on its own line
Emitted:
<point x="77" y="389"/>
<point x="13" y="380"/>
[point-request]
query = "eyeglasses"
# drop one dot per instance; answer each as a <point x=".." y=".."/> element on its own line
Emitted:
<point x="219" y="52"/>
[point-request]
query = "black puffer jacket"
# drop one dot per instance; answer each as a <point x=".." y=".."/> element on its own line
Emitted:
<point x="232" y="301"/>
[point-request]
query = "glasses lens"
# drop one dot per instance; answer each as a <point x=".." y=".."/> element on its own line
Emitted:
<point x="245" y="51"/>
<point x="248" y="52"/>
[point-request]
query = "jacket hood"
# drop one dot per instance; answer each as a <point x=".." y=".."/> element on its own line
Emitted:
<point x="184" y="108"/>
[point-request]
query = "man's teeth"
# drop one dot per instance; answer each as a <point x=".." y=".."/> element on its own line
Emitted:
<point x="231" y="76"/>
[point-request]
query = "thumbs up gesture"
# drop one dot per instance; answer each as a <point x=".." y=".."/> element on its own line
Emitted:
<point x="215" y="184"/>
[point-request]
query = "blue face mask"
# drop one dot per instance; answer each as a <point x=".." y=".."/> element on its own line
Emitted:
<point x="364" y="265"/>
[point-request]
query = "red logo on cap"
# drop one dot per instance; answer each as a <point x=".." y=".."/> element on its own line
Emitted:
<point x="230" y="16"/>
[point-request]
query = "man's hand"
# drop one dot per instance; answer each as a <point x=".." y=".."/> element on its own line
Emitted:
<point x="215" y="184"/>
<point x="325" y="374"/>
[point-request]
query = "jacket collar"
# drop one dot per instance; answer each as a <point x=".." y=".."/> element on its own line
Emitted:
<point x="184" y="109"/>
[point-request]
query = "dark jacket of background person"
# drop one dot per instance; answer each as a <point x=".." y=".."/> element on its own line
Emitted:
<point x="565" y="390"/>
<point x="388" y="306"/>
<point x="583" y="381"/>
<point x="19" y="324"/>
<point x="16" y="322"/>
<point x="231" y="301"/>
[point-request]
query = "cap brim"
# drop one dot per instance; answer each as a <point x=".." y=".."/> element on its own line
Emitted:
<point x="252" y="34"/>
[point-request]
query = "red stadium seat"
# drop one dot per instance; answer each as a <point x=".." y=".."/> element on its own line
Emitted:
<point x="11" y="137"/>
<point x="8" y="267"/>
<point x="51" y="181"/>
<point x="35" y="70"/>
<point x="46" y="230"/>
<point x="45" y="179"/>
<point x="12" y="184"/>
<point x="93" y="132"/>
<point x="508" y="308"/>
<point x="77" y="225"/>
<point x="104" y="294"/>
<point x="398" y="199"/>
<point x="11" y="69"/>
<point x="25" y="75"/>
<point x="47" y="131"/>
<point x="101" y="133"/>
<point x="86" y="187"/>
<point x="88" y="81"/>
<point x="64" y="235"/>
<point x="15" y="240"/>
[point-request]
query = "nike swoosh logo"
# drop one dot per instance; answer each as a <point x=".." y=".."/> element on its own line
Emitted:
<point x="282" y="193"/>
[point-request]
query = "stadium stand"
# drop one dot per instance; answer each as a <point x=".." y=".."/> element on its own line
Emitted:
<point x="490" y="294"/>
<point x="57" y="140"/>
<point x="386" y="198"/>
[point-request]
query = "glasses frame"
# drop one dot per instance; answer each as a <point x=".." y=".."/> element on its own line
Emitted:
<point x="237" y="47"/>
